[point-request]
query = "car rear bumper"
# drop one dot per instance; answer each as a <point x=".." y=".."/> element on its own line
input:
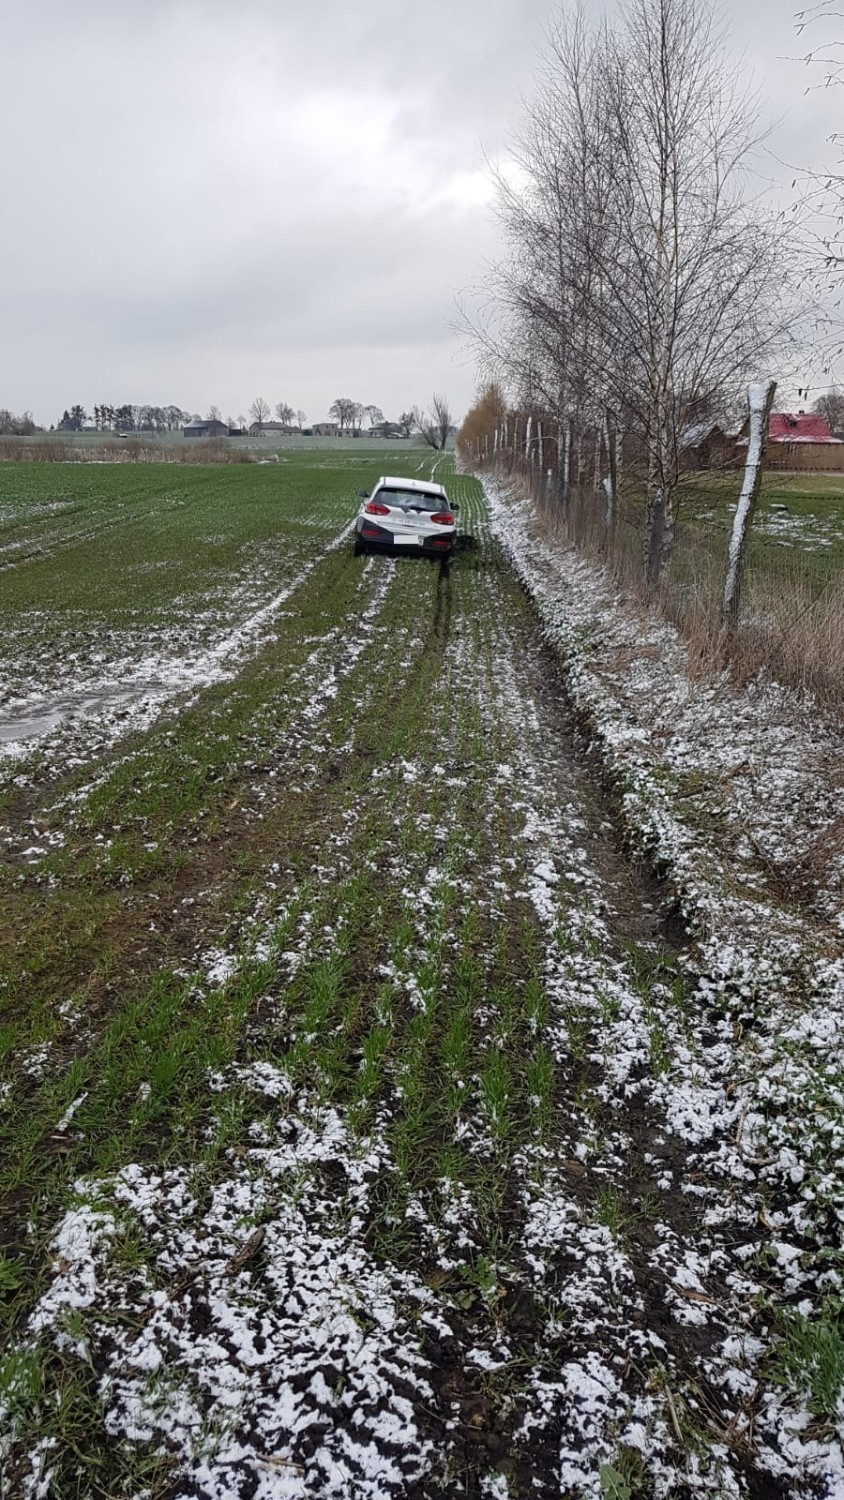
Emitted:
<point x="379" y="536"/>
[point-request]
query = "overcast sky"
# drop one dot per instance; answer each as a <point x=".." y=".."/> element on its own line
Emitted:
<point x="207" y="201"/>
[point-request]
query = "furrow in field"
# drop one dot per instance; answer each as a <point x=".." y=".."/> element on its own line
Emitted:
<point x="37" y="547"/>
<point x="127" y="696"/>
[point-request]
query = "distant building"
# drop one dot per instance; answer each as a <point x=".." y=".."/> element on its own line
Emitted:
<point x="804" y="427"/>
<point x="275" y="429"/>
<point x="326" y="429"/>
<point x="705" y="445"/>
<point x="798" y="440"/>
<point x="211" y="428"/>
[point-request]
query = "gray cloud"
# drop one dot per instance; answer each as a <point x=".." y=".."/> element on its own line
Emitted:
<point x="206" y="200"/>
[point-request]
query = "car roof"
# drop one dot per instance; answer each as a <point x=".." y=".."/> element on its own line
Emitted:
<point x="424" y="486"/>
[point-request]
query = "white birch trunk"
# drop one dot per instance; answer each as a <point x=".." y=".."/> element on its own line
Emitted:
<point x="527" y="437"/>
<point x="539" y="443"/>
<point x="760" y="399"/>
<point x="609" y="510"/>
<point x="567" y="459"/>
<point x="610" y="483"/>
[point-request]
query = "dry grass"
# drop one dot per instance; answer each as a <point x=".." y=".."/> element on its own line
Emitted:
<point x="794" y="636"/>
<point x="137" y="450"/>
<point x="789" y="628"/>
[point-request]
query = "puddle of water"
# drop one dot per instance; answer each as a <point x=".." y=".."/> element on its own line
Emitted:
<point x="51" y="714"/>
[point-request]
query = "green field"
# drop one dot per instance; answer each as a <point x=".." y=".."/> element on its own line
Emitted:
<point x="105" y="562"/>
<point x="798" y="531"/>
<point x="336" y="1024"/>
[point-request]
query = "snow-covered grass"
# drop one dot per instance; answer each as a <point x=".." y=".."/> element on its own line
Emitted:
<point x="728" y="793"/>
<point x="366" y="1134"/>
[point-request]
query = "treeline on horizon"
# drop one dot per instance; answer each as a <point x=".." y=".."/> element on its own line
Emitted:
<point x="434" y="427"/>
<point x="118" y="419"/>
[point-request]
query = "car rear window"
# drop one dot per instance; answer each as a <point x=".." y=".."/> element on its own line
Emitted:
<point x="412" y="500"/>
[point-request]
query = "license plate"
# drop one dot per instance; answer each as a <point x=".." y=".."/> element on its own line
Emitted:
<point x="408" y="539"/>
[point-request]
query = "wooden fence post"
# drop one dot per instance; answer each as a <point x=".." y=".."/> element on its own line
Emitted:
<point x="760" y="399"/>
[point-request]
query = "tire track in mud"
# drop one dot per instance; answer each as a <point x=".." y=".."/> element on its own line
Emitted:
<point x="509" y="679"/>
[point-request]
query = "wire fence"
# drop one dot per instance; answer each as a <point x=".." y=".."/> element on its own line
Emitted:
<point x="792" y="620"/>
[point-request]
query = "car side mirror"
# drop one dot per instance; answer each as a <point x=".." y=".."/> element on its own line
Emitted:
<point x="455" y="506"/>
<point x="363" y="494"/>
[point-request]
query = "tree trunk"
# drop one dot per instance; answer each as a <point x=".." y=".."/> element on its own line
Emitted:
<point x="610" y="482"/>
<point x="653" y="539"/>
<point x="567" y="460"/>
<point x="760" y="399"/>
<point x="659" y="499"/>
<point x="577" y="456"/>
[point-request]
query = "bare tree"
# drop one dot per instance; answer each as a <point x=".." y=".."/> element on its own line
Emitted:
<point x="301" y="418"/>
<point x="831" y="406"/>
<point x="343" y="411"/>
<point x="819" y="207"/>
<point x="694" y="265"/>
<point x="407" y="422"/>
<point x="374" y="414"/>
<point x="214" y="414"/>
<point x="285" y="413"/>
<point x="642" y="284"/>
<point x="259" y="412"/>
<point x="24" y="425"/>
<point x="436" y="427"/>
<point x="820" y="26"/>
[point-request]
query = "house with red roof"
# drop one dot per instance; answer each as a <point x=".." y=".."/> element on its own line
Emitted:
<point x="802" y="427"/>
<point x="798" y="440"/>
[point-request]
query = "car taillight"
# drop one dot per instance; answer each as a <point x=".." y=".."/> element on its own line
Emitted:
<point x="442" y="517"/>
<point x="375" y="509"/>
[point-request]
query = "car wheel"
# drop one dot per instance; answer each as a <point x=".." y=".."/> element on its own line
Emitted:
<point x="359" y="546"/>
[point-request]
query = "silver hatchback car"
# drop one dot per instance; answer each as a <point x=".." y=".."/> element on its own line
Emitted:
<point x="406" y="513"/>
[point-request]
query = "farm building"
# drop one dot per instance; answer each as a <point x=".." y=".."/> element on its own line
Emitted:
<point x="799" y="440"/>
<point x="804" y="427"/>
<point x="211" y="428"/>
<point x="326" y="429"/>
<point x="274" y="429"/>
<point x="705" y="445"/>
<point x="796" y="440"/>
